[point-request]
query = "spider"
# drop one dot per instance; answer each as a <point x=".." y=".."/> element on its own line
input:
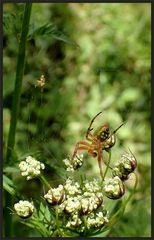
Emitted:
<point x="101" y="140"/>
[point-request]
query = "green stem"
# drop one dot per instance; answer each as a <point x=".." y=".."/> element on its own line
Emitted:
<point x="15" y="109"/>
<point x="57" y="223"/>
<point x="44" y="181"/>
<point x="57" y="220"/>
<point x="108" y="164"/>
<point x="18" y="81"/>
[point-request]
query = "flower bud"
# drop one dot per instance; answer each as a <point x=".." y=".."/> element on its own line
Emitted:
<point x="125" y="166"/>
<point x="114" y="188"/>
<point x="55" y="196"/>
<point x="24" y="209"/>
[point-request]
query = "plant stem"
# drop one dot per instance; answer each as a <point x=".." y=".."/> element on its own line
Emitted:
<point x="44" y="181"/>
<point x="57" y="221"/>
<point x="15" y="109"/>
<point x="108" y="164"/>
<point x="18" y="81"/>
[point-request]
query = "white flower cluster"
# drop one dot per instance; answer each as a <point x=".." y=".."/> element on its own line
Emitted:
<point x="41" y="81"/>
<point x="31" y="167"/>
<point x="96" y="220"/>
<point x="75" y="164"/>
<point x="77" y="201"/>
<point x="114" y="188"/>
<point x="81" y="199"/>
<point x="55" y="195"/>
<point x="75" y="221"/>
<point x="24" y="209"/>
<point x="125" y="166"/>
<point x="71" y="187"/>
<point x="92" y="186"/>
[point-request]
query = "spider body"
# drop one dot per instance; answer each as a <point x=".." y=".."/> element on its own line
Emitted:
<point x="100" y="140"/>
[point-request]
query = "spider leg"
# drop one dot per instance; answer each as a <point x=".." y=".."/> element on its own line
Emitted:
<point x="89" y="128"/>
<point x="116" y="129"/>
<point x="81" y="145"/>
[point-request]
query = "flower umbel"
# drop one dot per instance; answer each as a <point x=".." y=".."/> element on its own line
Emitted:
<point x="24" y="209"/>
<point x="125" y="166"/>
<point x="31" y="167"/>
<point x="114" y="188"/>
<point x="75" y="164"/>
<point x="55" y="195"/>
<point x="96" y="220"/>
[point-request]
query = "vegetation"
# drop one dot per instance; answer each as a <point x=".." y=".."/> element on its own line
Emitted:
<point x="94" y="57"/>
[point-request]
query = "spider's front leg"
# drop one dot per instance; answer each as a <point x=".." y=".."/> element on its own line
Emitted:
<point x="81" y="145"/>
<point x="89" y="136"/>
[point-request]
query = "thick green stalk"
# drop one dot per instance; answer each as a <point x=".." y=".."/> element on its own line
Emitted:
<point x="15" y="109"/>
<point x="18" y="82"/>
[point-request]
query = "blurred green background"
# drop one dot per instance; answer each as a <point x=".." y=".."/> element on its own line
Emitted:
<point x="96" y="58"/>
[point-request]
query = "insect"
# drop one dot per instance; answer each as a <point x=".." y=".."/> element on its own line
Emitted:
<point x="96" y="142"/>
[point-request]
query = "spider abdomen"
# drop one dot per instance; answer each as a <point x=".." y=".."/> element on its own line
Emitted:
<point x="108" y="143"/>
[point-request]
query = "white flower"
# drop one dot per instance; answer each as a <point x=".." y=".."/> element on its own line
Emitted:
<point x="75" y="164"/>
<point x="72" y="187"/>
<point x="96" y="220"/>
<point x="41" y="81"/>
<point x="24" y="208"/>
<point x="90" y="204"/>
<point x="55" y="195"/>
<point x="93" y="186"/>
<point x="68" y="165"/>
<point x="75" y="221"/>
<point x="125" y="166"/>
<point x="114" y="188"/>
<point x="31" y="167"/>
<point x="72" y="204"/>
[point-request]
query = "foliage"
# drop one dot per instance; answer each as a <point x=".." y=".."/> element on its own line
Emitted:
<point x="95" y="57"/>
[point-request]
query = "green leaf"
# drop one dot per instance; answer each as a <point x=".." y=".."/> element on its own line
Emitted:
<point x="50" y="30"/>
<point x="8" y="19"/>
<point x="41" y="212"/>
<point x="11" y="170"/>
<point x="8" y="185"/>
<point x="47" y="214"/>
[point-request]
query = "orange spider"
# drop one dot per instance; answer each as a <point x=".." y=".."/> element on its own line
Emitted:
<point x="99" y="141"/>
